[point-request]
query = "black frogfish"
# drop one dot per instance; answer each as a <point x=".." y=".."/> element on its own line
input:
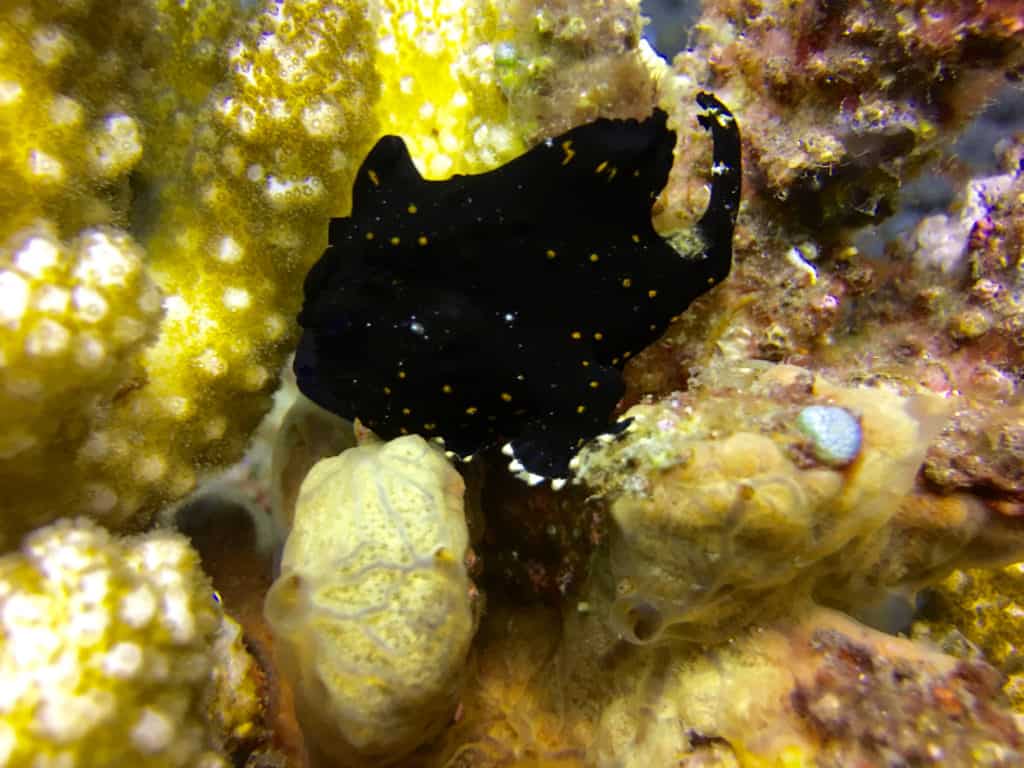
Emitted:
<point x="501" y="307"/>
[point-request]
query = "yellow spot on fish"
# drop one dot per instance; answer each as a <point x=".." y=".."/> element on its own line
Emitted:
<point x="627" y="353"/>
<point x="373" y="177"/>
<point x="594" y="257"/>
<point x="594" y="385"/>
<point x="636" y="238"/>
<point x="551" y="254"/>
<point x="387" y="390"/>
<point x="585" y="363"/>
<point x="369" y="235"/>
<point x="447" y="389"/>
<point x="429" y="426"/>
<point x="615" y="361"/>
<point x="611" y="174"/>
<point x="626" y="282"/>
<point x="422" y="240"/>
<point x="598" y="335"/>
<point x="581" y="409"/>
<point x="506" y="397"/>
<point x="576" y="335"/>
<point x="570" y="153"/>
<point x="406" y="411"/>
<point x="652" y="293"/>
<point x="412" y="208"/>
<point x="471" y="410"/>
<point x="403" y="430"/>
<point x="401" y="374"/>
<point x="396" y="240"/>
<point x="601" y="167"/>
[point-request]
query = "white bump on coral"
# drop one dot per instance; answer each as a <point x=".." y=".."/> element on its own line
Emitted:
<point x="321" y="120"/>
<point x="50" y="46"/>
<point x="212" y="364"/>
<point x="150" y="468"/>
<point x="37" y="255"/>
<point x="65" y="112"/>
<point x="10" y="92"/>
<point x="152" y="732"/>
<point x="117" y="147"/>
<point x="47" y="339"/>
<point x="14" y="293"/>
<point x="228" y="250"/>
<point x="91" y="306"/>
<point x="237" y="299"/>
<point x="100" y="498"/>
<point x="177" y="616"/>
<point x="50" y="298"/>
<point x="138" y="607"/>
<point x="104" y="262"/>
<point x="440" y="166"/>
<point x="45" y="167"/>
<point x="123" y="660"/>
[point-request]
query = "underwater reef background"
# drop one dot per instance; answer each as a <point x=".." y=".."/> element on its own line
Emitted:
<point x="804" y="550"/>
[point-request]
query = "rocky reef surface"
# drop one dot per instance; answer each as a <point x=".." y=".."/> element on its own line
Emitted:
<point x="804" y="550"/>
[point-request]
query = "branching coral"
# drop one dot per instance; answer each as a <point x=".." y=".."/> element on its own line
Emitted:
<point x="116" y="652"/>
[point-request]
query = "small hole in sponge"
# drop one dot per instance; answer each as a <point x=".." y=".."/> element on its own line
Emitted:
<point x="638" y="620"/>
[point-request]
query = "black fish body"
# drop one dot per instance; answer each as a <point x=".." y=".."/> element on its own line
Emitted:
<point x="502" y="306"/>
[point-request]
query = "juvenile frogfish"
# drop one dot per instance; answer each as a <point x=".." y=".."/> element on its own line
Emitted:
<point x="502" y="306"/>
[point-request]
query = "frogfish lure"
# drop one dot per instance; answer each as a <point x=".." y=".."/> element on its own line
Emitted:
<point x="501" y="307"/>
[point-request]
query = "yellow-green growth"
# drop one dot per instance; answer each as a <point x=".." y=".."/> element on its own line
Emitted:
<point x="107" y="653"/>
<point x="987" y="608"/>
<point x="372" y="611"/>
<point x="440" y="89"/>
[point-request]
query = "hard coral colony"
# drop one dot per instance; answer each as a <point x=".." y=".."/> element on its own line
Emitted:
<point x="754" y="432"/>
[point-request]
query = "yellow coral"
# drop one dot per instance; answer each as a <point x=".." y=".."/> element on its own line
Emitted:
<point x="439" y="86"/>
<point x="109" y="653"/>
<point x="240" y="158"/>
<point x="986" y="607"/>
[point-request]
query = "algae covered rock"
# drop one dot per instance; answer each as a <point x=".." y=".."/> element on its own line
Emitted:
<point x="373" y="609"/>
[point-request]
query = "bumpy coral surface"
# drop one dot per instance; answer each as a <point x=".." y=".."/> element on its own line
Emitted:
<point x="373" y="609"/>
<point x="721" y="510"/>
<point x="237" y="163"/>
<point x="985" y="608"/>
<point x="116" y="652"/>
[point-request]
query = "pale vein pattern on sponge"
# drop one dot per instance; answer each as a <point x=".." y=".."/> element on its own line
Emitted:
<point x="107" y="653"/>
<point x="373" y="609"/>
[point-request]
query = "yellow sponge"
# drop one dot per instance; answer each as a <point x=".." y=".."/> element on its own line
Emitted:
<point x="373" y="611"/>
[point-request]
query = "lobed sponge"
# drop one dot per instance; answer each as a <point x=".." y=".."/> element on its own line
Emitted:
<point x="373" y="611"/>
